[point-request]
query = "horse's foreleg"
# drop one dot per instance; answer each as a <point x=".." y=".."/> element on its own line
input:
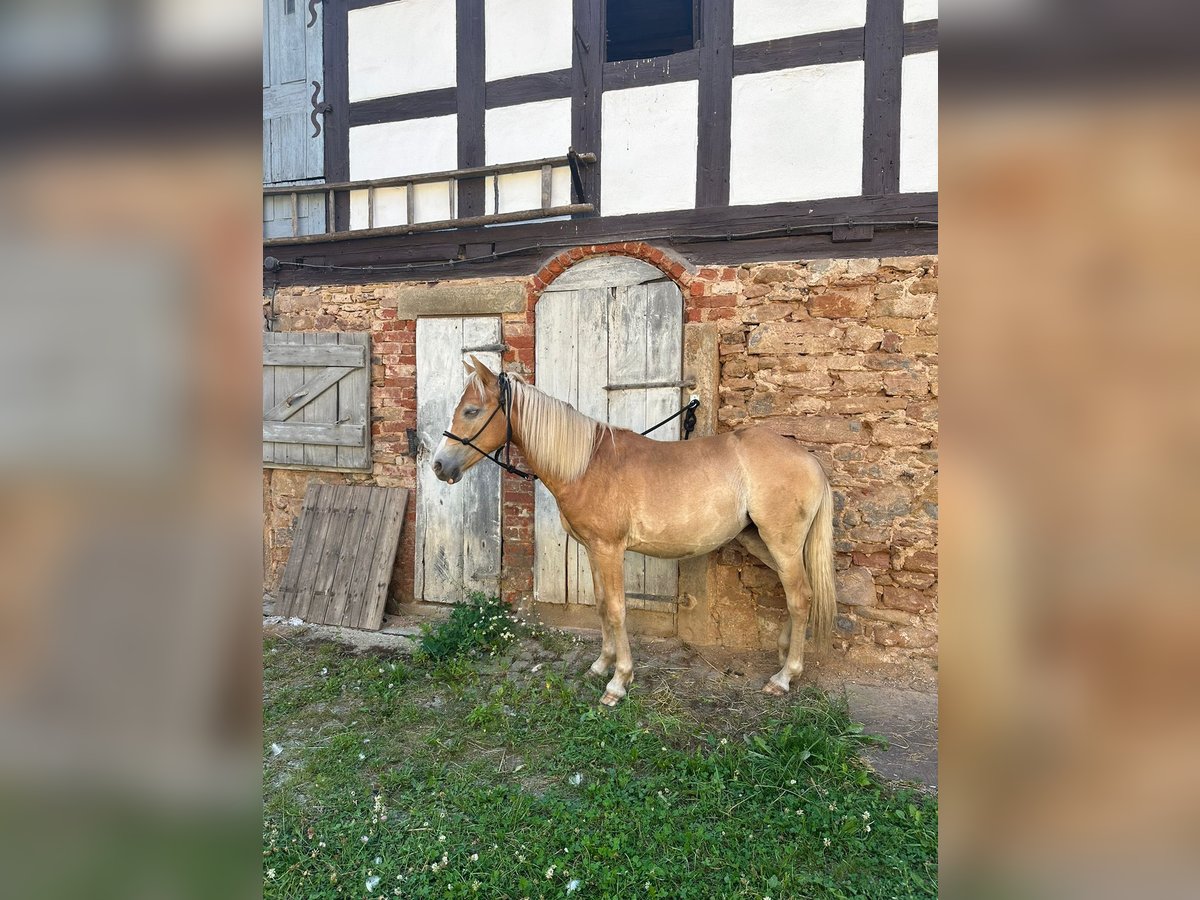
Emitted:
<point x="799" y="597"/>
<point x="611" y="566"/>
<point x="608" y="647"/>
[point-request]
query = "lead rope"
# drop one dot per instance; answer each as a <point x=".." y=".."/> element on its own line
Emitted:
<point x="505" y="402"/>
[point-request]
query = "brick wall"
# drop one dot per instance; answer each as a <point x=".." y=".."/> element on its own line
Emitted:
<point x="841" y="354"/>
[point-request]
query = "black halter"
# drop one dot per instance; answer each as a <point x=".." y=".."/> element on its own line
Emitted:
<point x="505" y="404"/>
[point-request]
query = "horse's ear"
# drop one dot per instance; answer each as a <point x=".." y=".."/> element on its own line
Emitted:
<point x="486" y="375"/>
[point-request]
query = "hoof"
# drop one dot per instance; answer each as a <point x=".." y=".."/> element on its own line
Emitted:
<point x="610" y="699"/>
<point x="774" y="689"/>
<point x="598" y="669"/>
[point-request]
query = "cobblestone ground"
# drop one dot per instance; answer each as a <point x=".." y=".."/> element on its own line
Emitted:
<point x="710" y="685"/>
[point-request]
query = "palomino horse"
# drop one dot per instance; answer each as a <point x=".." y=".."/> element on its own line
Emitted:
<point x="619" y="491"/>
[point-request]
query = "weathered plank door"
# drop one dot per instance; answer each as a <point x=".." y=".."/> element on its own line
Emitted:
<point x="458" y="526"/>
<point x="316" y="392"/>
<point x="605" y="330"/>
<point x="292" y="152"/>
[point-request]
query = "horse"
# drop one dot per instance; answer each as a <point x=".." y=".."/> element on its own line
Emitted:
<point x="617" y="491"/>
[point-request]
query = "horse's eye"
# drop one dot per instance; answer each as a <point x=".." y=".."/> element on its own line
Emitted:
<point x="471" y="412"/>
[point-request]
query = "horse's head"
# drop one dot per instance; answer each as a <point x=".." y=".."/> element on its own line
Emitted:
<point x="478" y="418"/>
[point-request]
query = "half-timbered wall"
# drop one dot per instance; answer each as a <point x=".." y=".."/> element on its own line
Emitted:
<point x="780" y="101"/>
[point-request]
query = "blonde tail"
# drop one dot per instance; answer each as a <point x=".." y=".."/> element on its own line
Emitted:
<point x="818" y="560"/>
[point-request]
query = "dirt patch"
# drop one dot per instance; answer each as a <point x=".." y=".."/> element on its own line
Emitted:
<point x="716" y="689"/>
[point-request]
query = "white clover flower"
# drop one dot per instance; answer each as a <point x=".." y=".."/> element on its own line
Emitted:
<point x="866" y="816"/>
<point x="572" y="885"/>
<point x="441" y="839"/>
<point x="474" y="857"/>
<point x="826" y="842"/>
<point x="550" y="873"/>
<point x="833" y="807"/>
<point x="372" y="883"/>
<point x="793" y="781"/>
<point x="868" y="828"/>
<point x="362" y="756"/>
<point x="270" y="873"/>
<point x="364" y="839"/>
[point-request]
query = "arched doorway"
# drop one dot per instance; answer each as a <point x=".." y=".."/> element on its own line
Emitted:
<point x="610" y="342"/>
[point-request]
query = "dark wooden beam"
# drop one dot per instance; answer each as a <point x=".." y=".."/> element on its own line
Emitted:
<point x="920" y="37"/>
<point x="716" y="104"/>
<point x="554" y="85"/>
<point x="337" y="93"/>
<point x="470" y="95"/>
<point x="587" y="74"/>
<point x="627" y="73"/>
<point x="899" y="223"/>
<point x="421" y="105"/>
<point x="800" y="50"/>
<point x="884" y="49"/>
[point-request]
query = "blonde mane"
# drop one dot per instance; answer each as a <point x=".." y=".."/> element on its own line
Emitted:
<point x="557" y="438"/>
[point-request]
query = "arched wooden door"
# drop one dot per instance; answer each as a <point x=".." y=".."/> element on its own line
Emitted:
<point x="610" y="342"/>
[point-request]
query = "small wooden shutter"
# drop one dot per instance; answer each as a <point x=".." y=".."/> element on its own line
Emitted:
<point x="292" y="153"/>
<point x="458" y="526"/>
<point x="608" y="322"/>
<point x="316" y="396"/>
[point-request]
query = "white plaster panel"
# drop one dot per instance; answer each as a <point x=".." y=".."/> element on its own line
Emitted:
<point x="391" y="208"/>
<point x="402" y="47"/>
<point x="404" y="148"/>
<point x="526" y="36"/>
<point x="920" y="10"/>
<point x="765" y="20"/>
<point x="797" y="134"/>
<point x="527" y="131"/>
<point x="648" y="141"/>
<point x="919" y="122"/>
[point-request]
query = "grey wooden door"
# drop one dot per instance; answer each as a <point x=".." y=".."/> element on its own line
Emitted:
<point x="458" y="526"/>
<point x="292" y="152"/>
<point x="606" y="324"/>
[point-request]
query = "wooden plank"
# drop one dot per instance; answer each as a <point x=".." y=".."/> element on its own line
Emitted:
<point x="289" y="581"/>
<point x="288" y="379"/>
<point x="354" y="404"/>
<point x="292" y="352"/>
<point x="789" y="230"/>
<point x="471" y="81"/>
<point x="307" y="573"/>
<point x="353" y="545"/>
<point x="401" y="108"/>
<point x="627" y="364"/>
<point x="799" y="50"/>
<point x="920" y="37"/>
<point x="336" y="83"/>
<point x="361" y="570"/>
<point x="884" y="54"/>
<point x="268" y="381"/>
<point x="605" y="272"/>
<point x="554" y="359"/>
<point x="296" y="433"/>
<point x="322" y="410"/>
<point x="547" y="185"/>
<point x="387" y="542"/>
<point x="664" y="361"/>
<point x="591" y="366"/>
<point x="587" y="72"/>
<point x="629" y="73"/>
<point x="307" y="393"/>
<point x="715" y="105"/>
<point x="440" y="377"/>
<point x="481" y="486"/>
<point x="519" y="89"/>
<point x="338" y="499"/>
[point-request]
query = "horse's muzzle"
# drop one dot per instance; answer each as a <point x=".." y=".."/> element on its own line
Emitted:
<point x="448" y="474"/>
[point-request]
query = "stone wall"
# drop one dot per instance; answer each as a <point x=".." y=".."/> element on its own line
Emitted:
<point x="841" y="354"/>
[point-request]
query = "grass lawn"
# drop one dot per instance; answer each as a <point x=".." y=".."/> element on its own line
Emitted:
<point x="440" y="775"/>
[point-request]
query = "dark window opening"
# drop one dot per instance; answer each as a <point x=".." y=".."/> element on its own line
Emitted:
<point x="640" y="29"/>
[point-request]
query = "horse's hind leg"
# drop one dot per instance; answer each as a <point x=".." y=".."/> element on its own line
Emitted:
<point x="753" y="543"/>
<point x="783" y="536"/>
